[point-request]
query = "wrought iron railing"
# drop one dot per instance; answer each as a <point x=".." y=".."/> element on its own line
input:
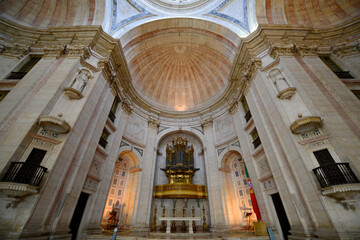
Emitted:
<point x="256" y="142"/>
<point x="26" y="173"/>
<point x="247" y="116"/>
<point x="16" y="75"/>
<point x="103" y="142"/>
<point x="343" y="75"/>
<point x="112" y="116"/>
<point x="335" y="174"/>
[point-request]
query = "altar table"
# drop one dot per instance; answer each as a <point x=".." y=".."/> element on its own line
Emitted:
<point x="190" y="219"/>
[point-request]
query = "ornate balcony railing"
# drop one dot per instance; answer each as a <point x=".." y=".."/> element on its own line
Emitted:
<point x="343" y="75"/>
<point x="25" y="173"/>
<point x="112" y="116"/>
<point x="16" y="75"/>
<point x="103" y="142"/>
<point x="247" y="116"/>
<point x="256" y="142"/>
<point x="335" y="174"/>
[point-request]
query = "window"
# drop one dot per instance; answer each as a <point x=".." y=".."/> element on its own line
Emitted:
<point x="3" y="94"/>
<point x="241" y="193"/>
<point x="115" y="181"/>
<point x="123" y="173"/>
<point x="256" y="140"/>
<point x="355" y="92"/>
<point x="246" y="109"/>
<point x="117" y="172"/>
<point x="110" y="202"/>
<point x="119" y="192"/>
<point x="335" y="68"/>
<point x="236" y="173"/>
<point x="103" y="139"/>
<point x="245" y="182"/>
<point x="121" y="182"/>
<point x="25" y="68"/>
<point x="113" y="109"/>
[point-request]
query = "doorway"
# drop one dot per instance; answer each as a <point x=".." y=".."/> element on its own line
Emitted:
<point x="78" y="213"/>
<point x="281" y="214"/>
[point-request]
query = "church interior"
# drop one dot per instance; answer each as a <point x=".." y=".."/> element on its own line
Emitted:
<point x="180" y="119"/>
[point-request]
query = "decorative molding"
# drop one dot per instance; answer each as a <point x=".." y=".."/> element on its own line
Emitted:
<point x="346" y="49"/>
<point x="53" y="51"/>
<point x="225" y="170"/>
<point x="287" y="93"/>
<point x="160" y="129"/>
<point x="152" y="123"/>
<point x="199" y="128"/>
<point x="107" y="69"/>
<point x="139" y="150"/>
<point x="234" y="107"/>
<point x="81" y="51"/>
<point x="46" y="139"/>
<point x="126" y="107"/>
<point x="134" y="170"/>
<point x="344" y="193"/>
<point x="53" y="123"/>
<point x="124" y="144"/>
<point x="206" y="123"/>
<point x="14" y="50"/>
<point x="219" y="151"/>
<point x="236" y="144"/>
<point x="305" y="124"/>
<point x="243" y="24"/>
<point x="271" y="65"/>
<point x="281" y="49"/>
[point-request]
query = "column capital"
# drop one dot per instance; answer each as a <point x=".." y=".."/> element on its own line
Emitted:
<point x="126" y="107"/>
<point x="346" y="49"/>
<point x="207" y="123"/>
<point x="14" y="50"/>
<point x="234" y="107"/>
<point x="53" y="51"/>
<point x="81" y="51"/>
<point x="153" y="123"/>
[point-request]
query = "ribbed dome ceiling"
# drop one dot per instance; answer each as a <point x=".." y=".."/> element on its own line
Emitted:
<point x="180" y="69"/>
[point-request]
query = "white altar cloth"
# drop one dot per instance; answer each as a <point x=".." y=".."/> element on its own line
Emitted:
<point x="190" y="219"/>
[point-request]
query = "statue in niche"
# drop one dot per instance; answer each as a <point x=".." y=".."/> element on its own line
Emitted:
<point x="281" y="84"/>
<point x="79" y="84"/>
<point x="81" y="80"/>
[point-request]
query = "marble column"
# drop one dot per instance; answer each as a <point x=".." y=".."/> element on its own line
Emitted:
<point x="142" y="205"/>
<point x="211" y="165"/>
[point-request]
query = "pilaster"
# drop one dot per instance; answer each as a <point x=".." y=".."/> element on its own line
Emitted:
<point x="214" y="188"/>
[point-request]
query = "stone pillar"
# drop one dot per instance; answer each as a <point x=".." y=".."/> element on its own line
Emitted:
<point x="143" y="201"/>
<point x="211" y="165"/>
<point x="94" y="219"/>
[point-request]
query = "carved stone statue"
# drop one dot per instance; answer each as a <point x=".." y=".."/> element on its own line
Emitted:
<point x="81" y="80"/>
<point x="281" y="84"/>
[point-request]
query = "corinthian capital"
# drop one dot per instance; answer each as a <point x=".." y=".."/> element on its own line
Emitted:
<point x="14" y="50"/>
<point x="153" y="123"/>
<point x="281" y="49"/>
<point x="53" y="51"/>
<point x="346" y="49"/>
<point x="77" y="51"/>
<point x="207" y="123"/>
<point x="126" y="107"/>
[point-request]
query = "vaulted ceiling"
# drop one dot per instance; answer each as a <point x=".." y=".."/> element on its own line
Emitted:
<point x="179" y="53"/>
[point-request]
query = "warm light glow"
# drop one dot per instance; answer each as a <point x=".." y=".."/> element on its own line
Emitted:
<point x="180" y="108"/>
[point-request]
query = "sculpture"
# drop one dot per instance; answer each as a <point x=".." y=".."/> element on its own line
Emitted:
<point x="281" y="84"/>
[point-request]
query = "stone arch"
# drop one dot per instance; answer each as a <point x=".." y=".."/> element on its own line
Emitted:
<point x="123" y="190"/>
<point x="235" y="192"/>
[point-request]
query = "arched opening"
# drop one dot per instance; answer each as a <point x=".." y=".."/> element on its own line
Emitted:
<point x="185" y="202"/>
<point x="238" y="205"/>
<point x="121" y="196"/>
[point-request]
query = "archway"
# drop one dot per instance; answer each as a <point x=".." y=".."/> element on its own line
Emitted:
<point x="122" y="191"/>
<point x="183" y="200"/>
<point x="237" y="201"/>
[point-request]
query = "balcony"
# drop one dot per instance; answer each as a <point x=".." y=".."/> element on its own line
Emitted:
<point x="103" y="142"/>
<point x="247" y="116"/>
<point x="22" y="179"/>
<point x="112" y="116"/>
<point x="343" y="75"/>
<point x="16" y="75"/>
<point x="338" y="181"/>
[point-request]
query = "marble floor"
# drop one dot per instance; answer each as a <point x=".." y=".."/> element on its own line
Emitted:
<point x="235" y="235"/>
